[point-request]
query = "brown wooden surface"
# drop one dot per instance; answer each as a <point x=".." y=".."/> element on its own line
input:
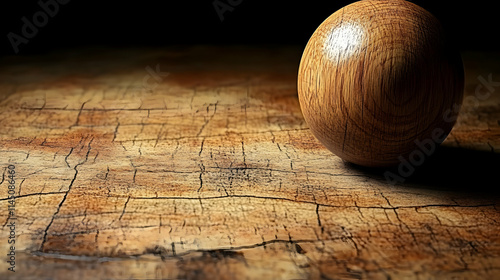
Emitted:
<point x="213" y="173"/>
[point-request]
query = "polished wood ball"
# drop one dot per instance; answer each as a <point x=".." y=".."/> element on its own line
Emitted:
<point x="378" y="81"/>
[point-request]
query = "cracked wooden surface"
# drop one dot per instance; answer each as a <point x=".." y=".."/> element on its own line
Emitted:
<point x="214" y="173"/>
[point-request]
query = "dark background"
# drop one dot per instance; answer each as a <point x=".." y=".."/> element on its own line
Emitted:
<point x="471" y="25"/>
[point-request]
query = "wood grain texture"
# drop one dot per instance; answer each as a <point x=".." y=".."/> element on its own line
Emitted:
<point x="375" y="77"/>
<point x="211" y="172"/>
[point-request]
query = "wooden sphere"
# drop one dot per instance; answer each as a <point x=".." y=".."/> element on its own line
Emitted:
<point x="377" y="77"/>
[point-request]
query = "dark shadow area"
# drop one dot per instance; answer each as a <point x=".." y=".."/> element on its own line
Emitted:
<point x="47" y="25"/>
<point x="459" y="169"/>
<point x="449" y="169"/>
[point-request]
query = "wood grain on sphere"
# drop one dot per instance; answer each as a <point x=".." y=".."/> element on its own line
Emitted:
<point x="375" y="77"/>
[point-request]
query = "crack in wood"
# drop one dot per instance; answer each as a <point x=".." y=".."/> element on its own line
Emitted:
<point x="59" y="206"/>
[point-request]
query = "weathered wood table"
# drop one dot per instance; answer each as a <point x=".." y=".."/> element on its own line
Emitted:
<point x="196" y="162"/>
